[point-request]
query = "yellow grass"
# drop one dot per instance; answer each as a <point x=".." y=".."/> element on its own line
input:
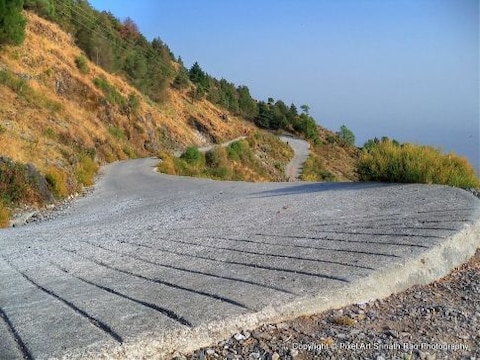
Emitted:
<point x="4" y="216"/>
<point x="410" y="163"/>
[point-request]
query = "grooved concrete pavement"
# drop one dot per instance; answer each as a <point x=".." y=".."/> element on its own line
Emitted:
<point x="150" y="262"/>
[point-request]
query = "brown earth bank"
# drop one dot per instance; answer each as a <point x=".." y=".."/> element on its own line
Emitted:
<point x="437" y="321"/>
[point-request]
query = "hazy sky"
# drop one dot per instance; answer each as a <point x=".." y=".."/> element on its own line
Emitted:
<point x="407" y="69"/>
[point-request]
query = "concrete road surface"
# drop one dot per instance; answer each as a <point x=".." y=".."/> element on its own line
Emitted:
<point x="150" y="263"/>
<point x="302" y="150"/>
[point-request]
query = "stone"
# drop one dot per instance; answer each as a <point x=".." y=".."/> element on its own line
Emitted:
<point x="239" y="337"/>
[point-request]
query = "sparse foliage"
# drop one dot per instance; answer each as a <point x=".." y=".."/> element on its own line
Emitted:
<point x="82" y="64"/>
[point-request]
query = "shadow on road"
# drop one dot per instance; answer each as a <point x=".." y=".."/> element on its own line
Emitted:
<point x="317" y="187"/>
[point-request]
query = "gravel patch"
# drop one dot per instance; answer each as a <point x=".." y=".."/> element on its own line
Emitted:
<point x="436" y="321"/>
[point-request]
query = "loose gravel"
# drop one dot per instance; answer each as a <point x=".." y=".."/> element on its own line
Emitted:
<point x="437" y="321"/>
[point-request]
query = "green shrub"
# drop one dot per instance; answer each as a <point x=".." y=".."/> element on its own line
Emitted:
<point x="48" y="132"/>
<point x="235" y="150"/>
<point x="116" y="132"/>
<point x="21" y="184"/>
<point x="389" y="161"/>
<point x="57" y="180"/>
<point x="314" y="170"/>
<point x="112" y="95"/>
<point x="82" y="64"/>
<point x="16" y="84"/>
<point x="133" y="104"/>
<point x="129" y="151"/>
<point x="25" y="91"/>
<point x="85" y="171"/>
<point x="192" y="155"/>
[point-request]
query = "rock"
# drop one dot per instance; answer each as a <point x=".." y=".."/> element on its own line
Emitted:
<point x="275" y="356"/>
<point x="293" y="353"/>
<point x="282" y="326"/>
<point x="239" y="337"/>
<point x="391" y="333"/>
<point x="254" y="356"/>
<point x="354" y="332"/>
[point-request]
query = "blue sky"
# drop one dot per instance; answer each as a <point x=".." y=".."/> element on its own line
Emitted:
<point x="407" y="69"/>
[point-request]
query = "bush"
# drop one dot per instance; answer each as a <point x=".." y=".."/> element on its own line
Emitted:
<point x="112" y="95"/>
<point x="86" y="169"/>
<point x="22" y="184"/>
<point x="192" y="155"/>
<point x="235" y="150"/>
<point x="57" y="181"/>
<point x="25" y="91"/>
<point x="116" y="132"/>
<point x="314" y="170"/>
<point x="82" y="64"/>
<point x="407" y="163"/>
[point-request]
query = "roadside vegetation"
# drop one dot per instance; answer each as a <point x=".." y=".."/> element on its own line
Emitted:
<point x="389" y="161"/>
<point x="314" y="169"/>
<point x="260" y="157"/>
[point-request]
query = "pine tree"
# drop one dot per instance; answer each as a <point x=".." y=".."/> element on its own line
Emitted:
<point x="12" y="22"/>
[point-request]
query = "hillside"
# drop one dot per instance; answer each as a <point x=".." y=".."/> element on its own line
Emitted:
<point x="51" y="112"/>
<point x="65" y="115"/>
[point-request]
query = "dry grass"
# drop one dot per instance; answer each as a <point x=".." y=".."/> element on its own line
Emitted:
<point x="4" y="216"/>
<point x="409" y="163"/>
<point x="330" y="159"/>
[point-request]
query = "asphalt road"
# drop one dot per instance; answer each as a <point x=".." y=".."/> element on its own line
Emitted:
<point x="151" y="262"/>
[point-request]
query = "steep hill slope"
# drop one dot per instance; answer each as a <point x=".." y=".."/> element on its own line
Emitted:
<point x="51" y="111"/>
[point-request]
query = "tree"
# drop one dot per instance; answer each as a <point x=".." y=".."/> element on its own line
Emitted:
<point x="305" y="108"/>
<point x="181" y="80"/>
<point x="44" y="8"/>
<point x="129" y="30"/>
<point x="248" y="106"/>
<point x="12" y="22"/>
<point x="346" y="135"/>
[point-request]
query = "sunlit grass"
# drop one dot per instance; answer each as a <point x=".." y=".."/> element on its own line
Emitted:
<point x="4" y="216"/>
<point x="408" y="163"/>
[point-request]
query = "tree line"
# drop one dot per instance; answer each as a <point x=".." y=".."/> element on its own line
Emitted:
<point x="119" y="47"/>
